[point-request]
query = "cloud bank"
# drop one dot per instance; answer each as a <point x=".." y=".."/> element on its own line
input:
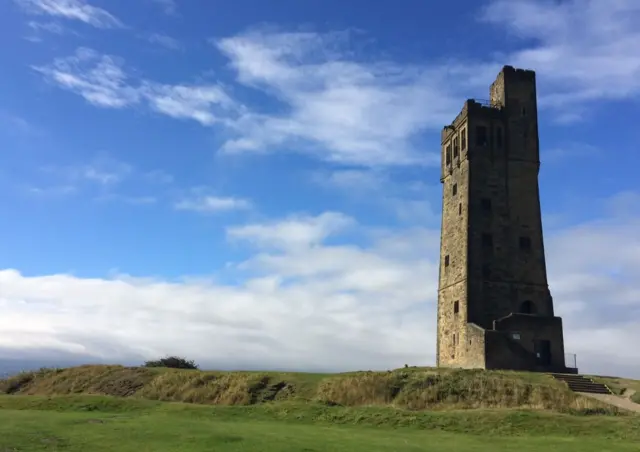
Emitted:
<point x="304" y="293"/>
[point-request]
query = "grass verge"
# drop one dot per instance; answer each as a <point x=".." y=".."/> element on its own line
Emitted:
<point x="80" y="422"/>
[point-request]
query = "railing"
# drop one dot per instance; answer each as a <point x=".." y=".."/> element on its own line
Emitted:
<point x="487" y="103"/>
<point x="570" y="360"/>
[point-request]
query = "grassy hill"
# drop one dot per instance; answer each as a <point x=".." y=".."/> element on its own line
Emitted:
<point x="411" y="389"/>
<point x="125" y="408"/>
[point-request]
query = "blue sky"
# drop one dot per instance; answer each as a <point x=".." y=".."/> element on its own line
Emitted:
<point x="256" y="184"/>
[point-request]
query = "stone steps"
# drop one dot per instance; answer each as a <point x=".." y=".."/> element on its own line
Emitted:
<point x="579" y="383"/>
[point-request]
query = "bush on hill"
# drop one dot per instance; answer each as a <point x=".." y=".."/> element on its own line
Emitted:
<point x="172" y="362"/>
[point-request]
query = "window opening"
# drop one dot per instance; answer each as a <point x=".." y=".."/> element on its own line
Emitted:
<point x="481" y="136"/>
<point x="525" y="243"/>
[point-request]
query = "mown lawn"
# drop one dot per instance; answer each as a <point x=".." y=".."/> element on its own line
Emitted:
<point x="93" y="423"/>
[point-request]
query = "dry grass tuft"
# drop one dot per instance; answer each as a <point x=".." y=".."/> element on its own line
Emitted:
<point x="462" y="389"/>
<point x="117" y="381"/>
<point x="217" y="388"/>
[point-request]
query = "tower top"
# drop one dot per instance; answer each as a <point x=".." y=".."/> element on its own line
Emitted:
<point x="513" y="87"/>
<point x="517" y="71"/>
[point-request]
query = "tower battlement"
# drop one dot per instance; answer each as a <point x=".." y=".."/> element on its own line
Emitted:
<point x="525" y="73"/>
<point x="495" y="309"/>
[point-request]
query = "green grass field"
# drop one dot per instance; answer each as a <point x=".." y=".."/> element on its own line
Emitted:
<point x="116" y="408"/>
<point x="96" y="423"/>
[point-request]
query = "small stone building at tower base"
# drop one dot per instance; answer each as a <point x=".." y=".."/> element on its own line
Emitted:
<point x="495" y="310"/>
<point x="515" y="343"/>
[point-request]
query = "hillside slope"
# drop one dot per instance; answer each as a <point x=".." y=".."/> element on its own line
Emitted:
<point x="411" y="389"/>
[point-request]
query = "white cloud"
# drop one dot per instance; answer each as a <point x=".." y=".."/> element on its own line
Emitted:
<point x="101" y="176"/>
<point x="307" y="298"/>
<point x="14" y="124"/>
<point x="584" y="50"/>
<point x="571" y="150"/>
<point x="201" y="200"/>
<point x="354" y="180"/>
<point x="52" y="190"/>
<point x="51" y="27"/>
<point x="338" y="109"/>
<point x="127" y="199"/>
<point x="168" y="6"/>
<point x="353" y="109"/>
<point x="102" y="170"/>
<point x="264" y="322"/>
<point x="406" y="200"/>
<point x="158" y="177"/>
<point x="296" y="231"/>
<point x="101" y="81"/>
<point x="164" y="41"/>
<point x="78" y="10"/>
<point x="39" y="29"/>
<point x="104" y="178"/>
<point x="203" y="104"/>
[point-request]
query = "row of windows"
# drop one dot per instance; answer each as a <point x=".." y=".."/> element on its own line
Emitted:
<point x="526" y="307"/>
<point x="482" y="139"/>
<point x="482" y="136"/>
<point x="524" y="243"/>
<point x="485" y="203"/>
<point x="458" y="144"/>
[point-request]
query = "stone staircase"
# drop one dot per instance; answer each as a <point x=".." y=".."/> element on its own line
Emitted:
<point x="578" y="383"/>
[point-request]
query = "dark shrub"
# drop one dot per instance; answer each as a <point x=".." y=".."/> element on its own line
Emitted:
<point x="173" y="362"/>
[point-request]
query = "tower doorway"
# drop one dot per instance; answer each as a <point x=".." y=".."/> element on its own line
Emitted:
<point x="542" y="349"/>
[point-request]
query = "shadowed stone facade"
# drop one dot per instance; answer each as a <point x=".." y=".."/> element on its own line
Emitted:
<point x="495" y="310"/>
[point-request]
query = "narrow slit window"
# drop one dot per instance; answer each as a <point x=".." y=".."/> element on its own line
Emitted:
<point x="456" y="307"/>
<point x="481" y="136"/>
<point x="446" y="260"/>
<point x="448" y="154"/>
<point x="456" y="148"/>
<point x="527" y="307"/>
<point x="460" y="209"/>
<point x="463" y="139"/>
<point x="454" y="190"/>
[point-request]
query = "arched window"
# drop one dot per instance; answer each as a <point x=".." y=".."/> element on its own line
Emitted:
<point x="527" y="307"/>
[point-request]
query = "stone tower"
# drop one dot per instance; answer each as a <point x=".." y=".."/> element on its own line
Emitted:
<point x="495" y="310"/>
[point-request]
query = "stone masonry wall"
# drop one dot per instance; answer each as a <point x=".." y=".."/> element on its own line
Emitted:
<point x="531" y="328"/>
<point x="492" y="228"/>
<point x="452" y="293"/>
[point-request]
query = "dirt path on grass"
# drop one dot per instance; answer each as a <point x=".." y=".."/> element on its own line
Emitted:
<point x="620" y="402"/>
